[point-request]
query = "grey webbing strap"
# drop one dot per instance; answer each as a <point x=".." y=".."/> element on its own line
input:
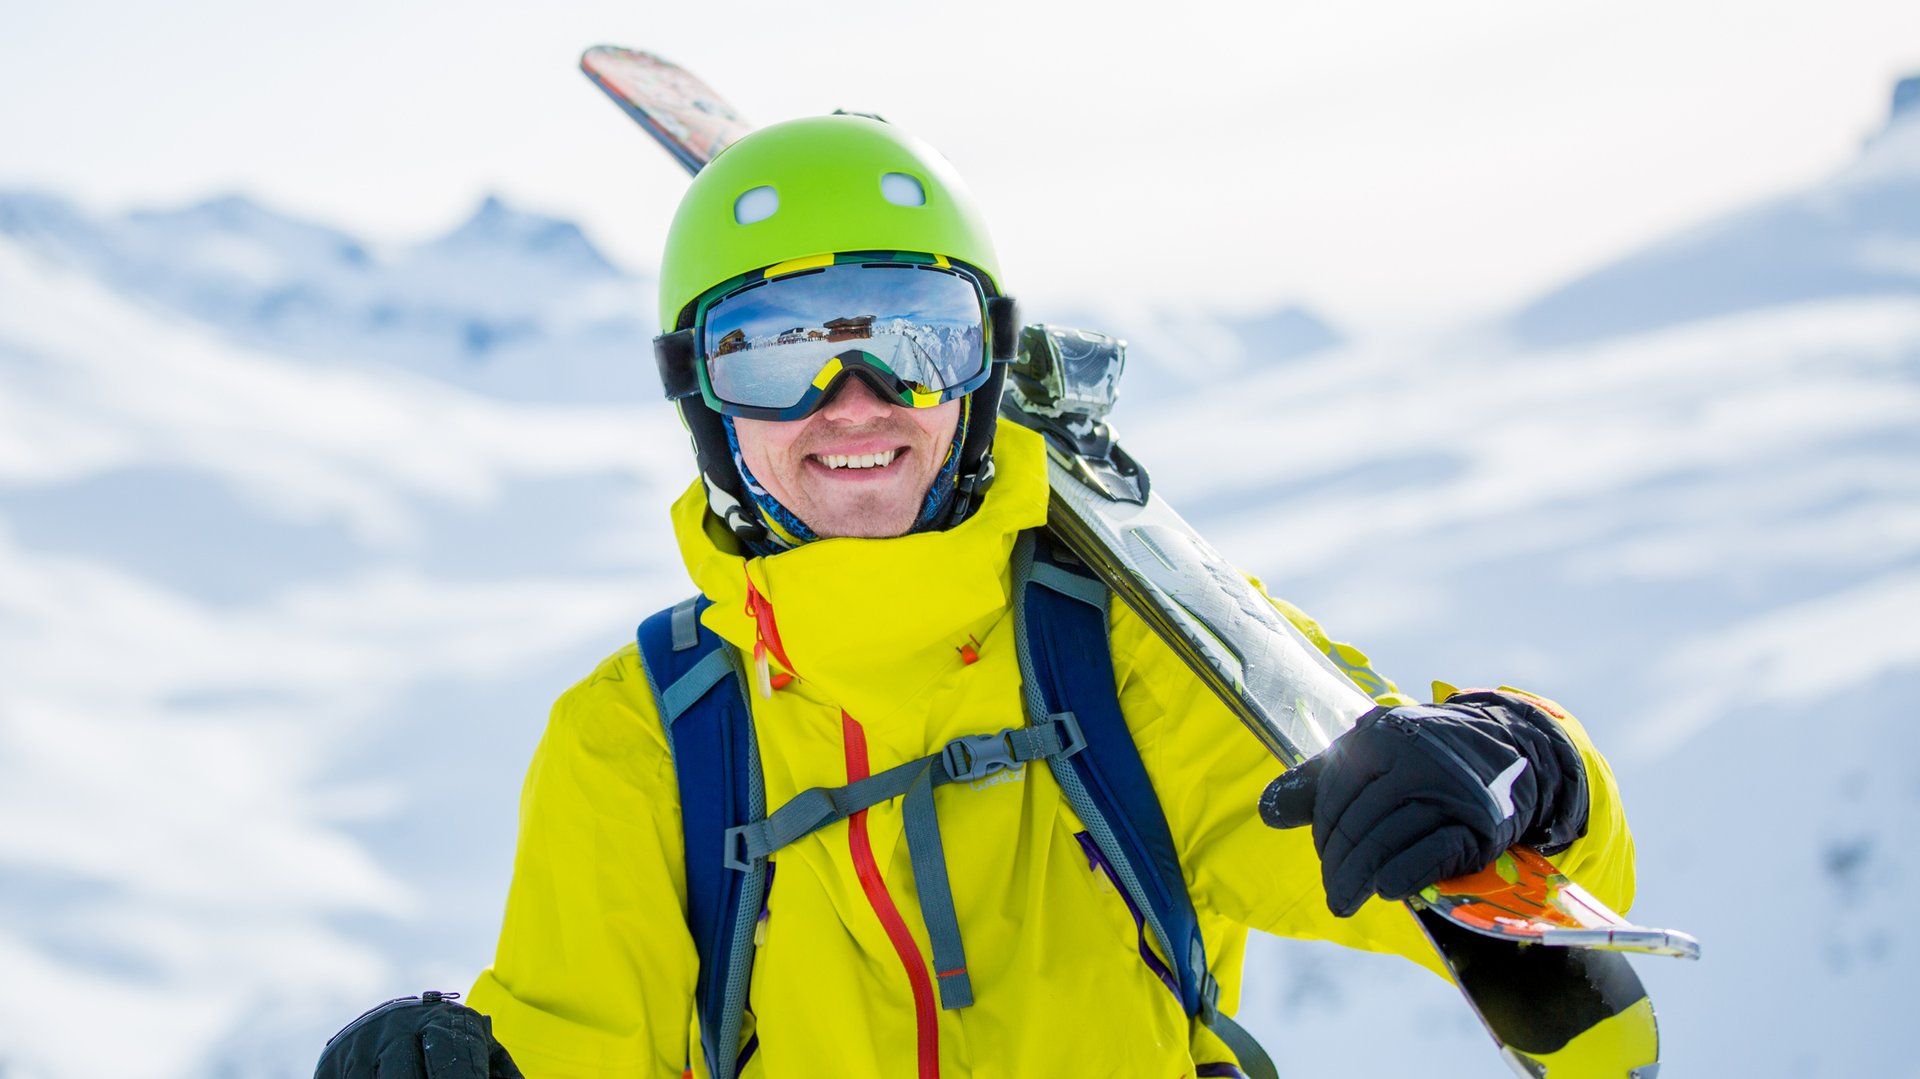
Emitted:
<point x="969" y="758"/>
<point x="815" y="808"/>
<point x="685" y="624"/>
<point x="1087" y="590"/>
<point x="963" y="759"/>
<point x="1253" y="1058"/>
<point x="753" y="893"/>
<point x="936" y="893"/>
<point x="691" y="686"/>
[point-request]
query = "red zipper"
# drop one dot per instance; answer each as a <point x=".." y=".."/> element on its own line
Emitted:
<point x="926" y="1017"/>
<point x="766" y="631"/>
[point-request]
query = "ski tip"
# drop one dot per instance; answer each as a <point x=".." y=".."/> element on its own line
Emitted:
<point x="1627" y="938"/>
<point x="609" y="50"/>
<point x="595" y="59"/>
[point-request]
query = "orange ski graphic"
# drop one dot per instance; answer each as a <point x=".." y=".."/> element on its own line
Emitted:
<point x="1522" y="897"/>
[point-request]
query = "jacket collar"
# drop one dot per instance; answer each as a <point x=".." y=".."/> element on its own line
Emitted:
<point x="867" y="623"/>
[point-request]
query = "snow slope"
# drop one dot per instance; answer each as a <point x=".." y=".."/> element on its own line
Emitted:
<point x="230" y="579"/>
<point x="1706" y="543"/>
<point x="298" y="538"/>
<point x="1856" y="234"/>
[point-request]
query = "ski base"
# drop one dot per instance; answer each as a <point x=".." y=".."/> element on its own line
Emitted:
<point x="1556" y="1013"/>
<point x="681" y="112"/>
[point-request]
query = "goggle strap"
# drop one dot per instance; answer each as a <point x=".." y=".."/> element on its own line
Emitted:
<point x="1003" y="327"/>
<point x="679" y="367"/>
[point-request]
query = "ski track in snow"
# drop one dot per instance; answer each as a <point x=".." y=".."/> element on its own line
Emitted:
<point x="279" y="620"/>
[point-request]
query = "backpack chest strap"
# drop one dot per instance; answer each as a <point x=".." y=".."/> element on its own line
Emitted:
<point x="962" y="760"/>
<point x="965" y="759"/>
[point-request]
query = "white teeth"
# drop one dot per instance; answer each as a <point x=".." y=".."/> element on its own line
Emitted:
<point x="858" y="460"/>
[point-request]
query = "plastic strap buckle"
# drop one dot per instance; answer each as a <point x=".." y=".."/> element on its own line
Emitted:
<point x="1072" y="738"/>
<point x="1209" y="997"/>
<point x="977" y="756"/>
<point x="737" y="849"/>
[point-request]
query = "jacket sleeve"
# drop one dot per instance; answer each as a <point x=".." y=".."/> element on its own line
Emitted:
<point x="1210" y="775"/>
<point x="595" y="970"/>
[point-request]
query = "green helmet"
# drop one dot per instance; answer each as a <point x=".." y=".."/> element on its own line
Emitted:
<point x="817" y="186"/>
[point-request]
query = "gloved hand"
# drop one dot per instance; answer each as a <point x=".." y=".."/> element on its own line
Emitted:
<point x="423" y="1037"/>
<point x="1417" y="794"/>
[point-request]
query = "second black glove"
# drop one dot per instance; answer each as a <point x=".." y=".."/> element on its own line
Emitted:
<point x="423" y="1037"/>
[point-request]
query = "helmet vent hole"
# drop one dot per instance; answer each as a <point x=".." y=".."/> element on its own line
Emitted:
<point x="902" y="189"/>
<point x="755" y="204"/>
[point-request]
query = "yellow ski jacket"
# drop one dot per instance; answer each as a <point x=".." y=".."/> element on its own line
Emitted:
<point x="896" y="647"/>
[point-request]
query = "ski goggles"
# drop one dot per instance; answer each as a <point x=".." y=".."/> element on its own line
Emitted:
<point x="921" y="330"/>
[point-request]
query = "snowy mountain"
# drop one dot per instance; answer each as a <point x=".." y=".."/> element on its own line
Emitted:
<point x="1177" y="349"/>
<point x="509" y="303"/>
<point x="1705" y="541"/>
<point x="246" y="595"/>
<point x="1857" y="234"/>
<point x="1704" y="538"/>
<point x="299" y="537"/>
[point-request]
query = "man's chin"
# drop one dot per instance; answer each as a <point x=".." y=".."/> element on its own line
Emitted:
<point x="884" y="529"/>
<point x="864" y="522"/>
<point x="837" y="508"/>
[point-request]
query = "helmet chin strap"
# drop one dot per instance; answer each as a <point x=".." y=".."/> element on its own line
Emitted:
<point x="727" y="496"/>
<point x="975" y="471"/>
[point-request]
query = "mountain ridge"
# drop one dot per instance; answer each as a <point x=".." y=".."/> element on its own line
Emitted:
<point x="293" y="600"/>
<point x="508" y="303"/>
<point x="1856" y="233"/>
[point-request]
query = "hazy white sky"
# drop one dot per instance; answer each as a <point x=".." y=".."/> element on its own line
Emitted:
<point x="1387" y="161"/>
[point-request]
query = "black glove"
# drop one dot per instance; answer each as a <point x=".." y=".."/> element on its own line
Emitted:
<point x="1417" y="794"/>
<point x="423" y="1037"/>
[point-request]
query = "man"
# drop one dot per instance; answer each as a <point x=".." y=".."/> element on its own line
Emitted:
<point x="828" y="288"/>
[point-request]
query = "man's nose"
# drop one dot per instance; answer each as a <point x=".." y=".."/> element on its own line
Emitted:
<point x="854" y="401"/>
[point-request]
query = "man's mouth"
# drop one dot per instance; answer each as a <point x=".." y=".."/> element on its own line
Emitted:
<point x="838" y="461"/>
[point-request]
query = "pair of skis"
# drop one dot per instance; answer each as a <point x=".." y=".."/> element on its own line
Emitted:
<point x="1535" y="955"/>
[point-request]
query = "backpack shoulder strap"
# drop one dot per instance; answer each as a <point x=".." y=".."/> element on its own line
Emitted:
<point x="702" y="703"/>
<point x="1066" y="666"/>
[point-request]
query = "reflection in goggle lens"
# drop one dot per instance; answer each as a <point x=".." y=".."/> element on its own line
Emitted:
<point x="767" y="344"/>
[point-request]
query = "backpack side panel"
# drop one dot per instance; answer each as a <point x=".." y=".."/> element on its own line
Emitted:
<point x="710" y="728"/>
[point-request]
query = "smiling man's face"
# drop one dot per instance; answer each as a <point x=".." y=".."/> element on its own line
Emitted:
<point x="860" y="466"/>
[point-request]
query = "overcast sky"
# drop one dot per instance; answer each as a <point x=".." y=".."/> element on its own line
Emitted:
<point x="1387" y="161"/>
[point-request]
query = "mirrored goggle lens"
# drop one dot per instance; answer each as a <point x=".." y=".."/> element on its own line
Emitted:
<point x="775" y="344"/>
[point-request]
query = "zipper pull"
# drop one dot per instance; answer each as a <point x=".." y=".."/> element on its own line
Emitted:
<point x="766" y="640"/>
<point x="762" y="674"/>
